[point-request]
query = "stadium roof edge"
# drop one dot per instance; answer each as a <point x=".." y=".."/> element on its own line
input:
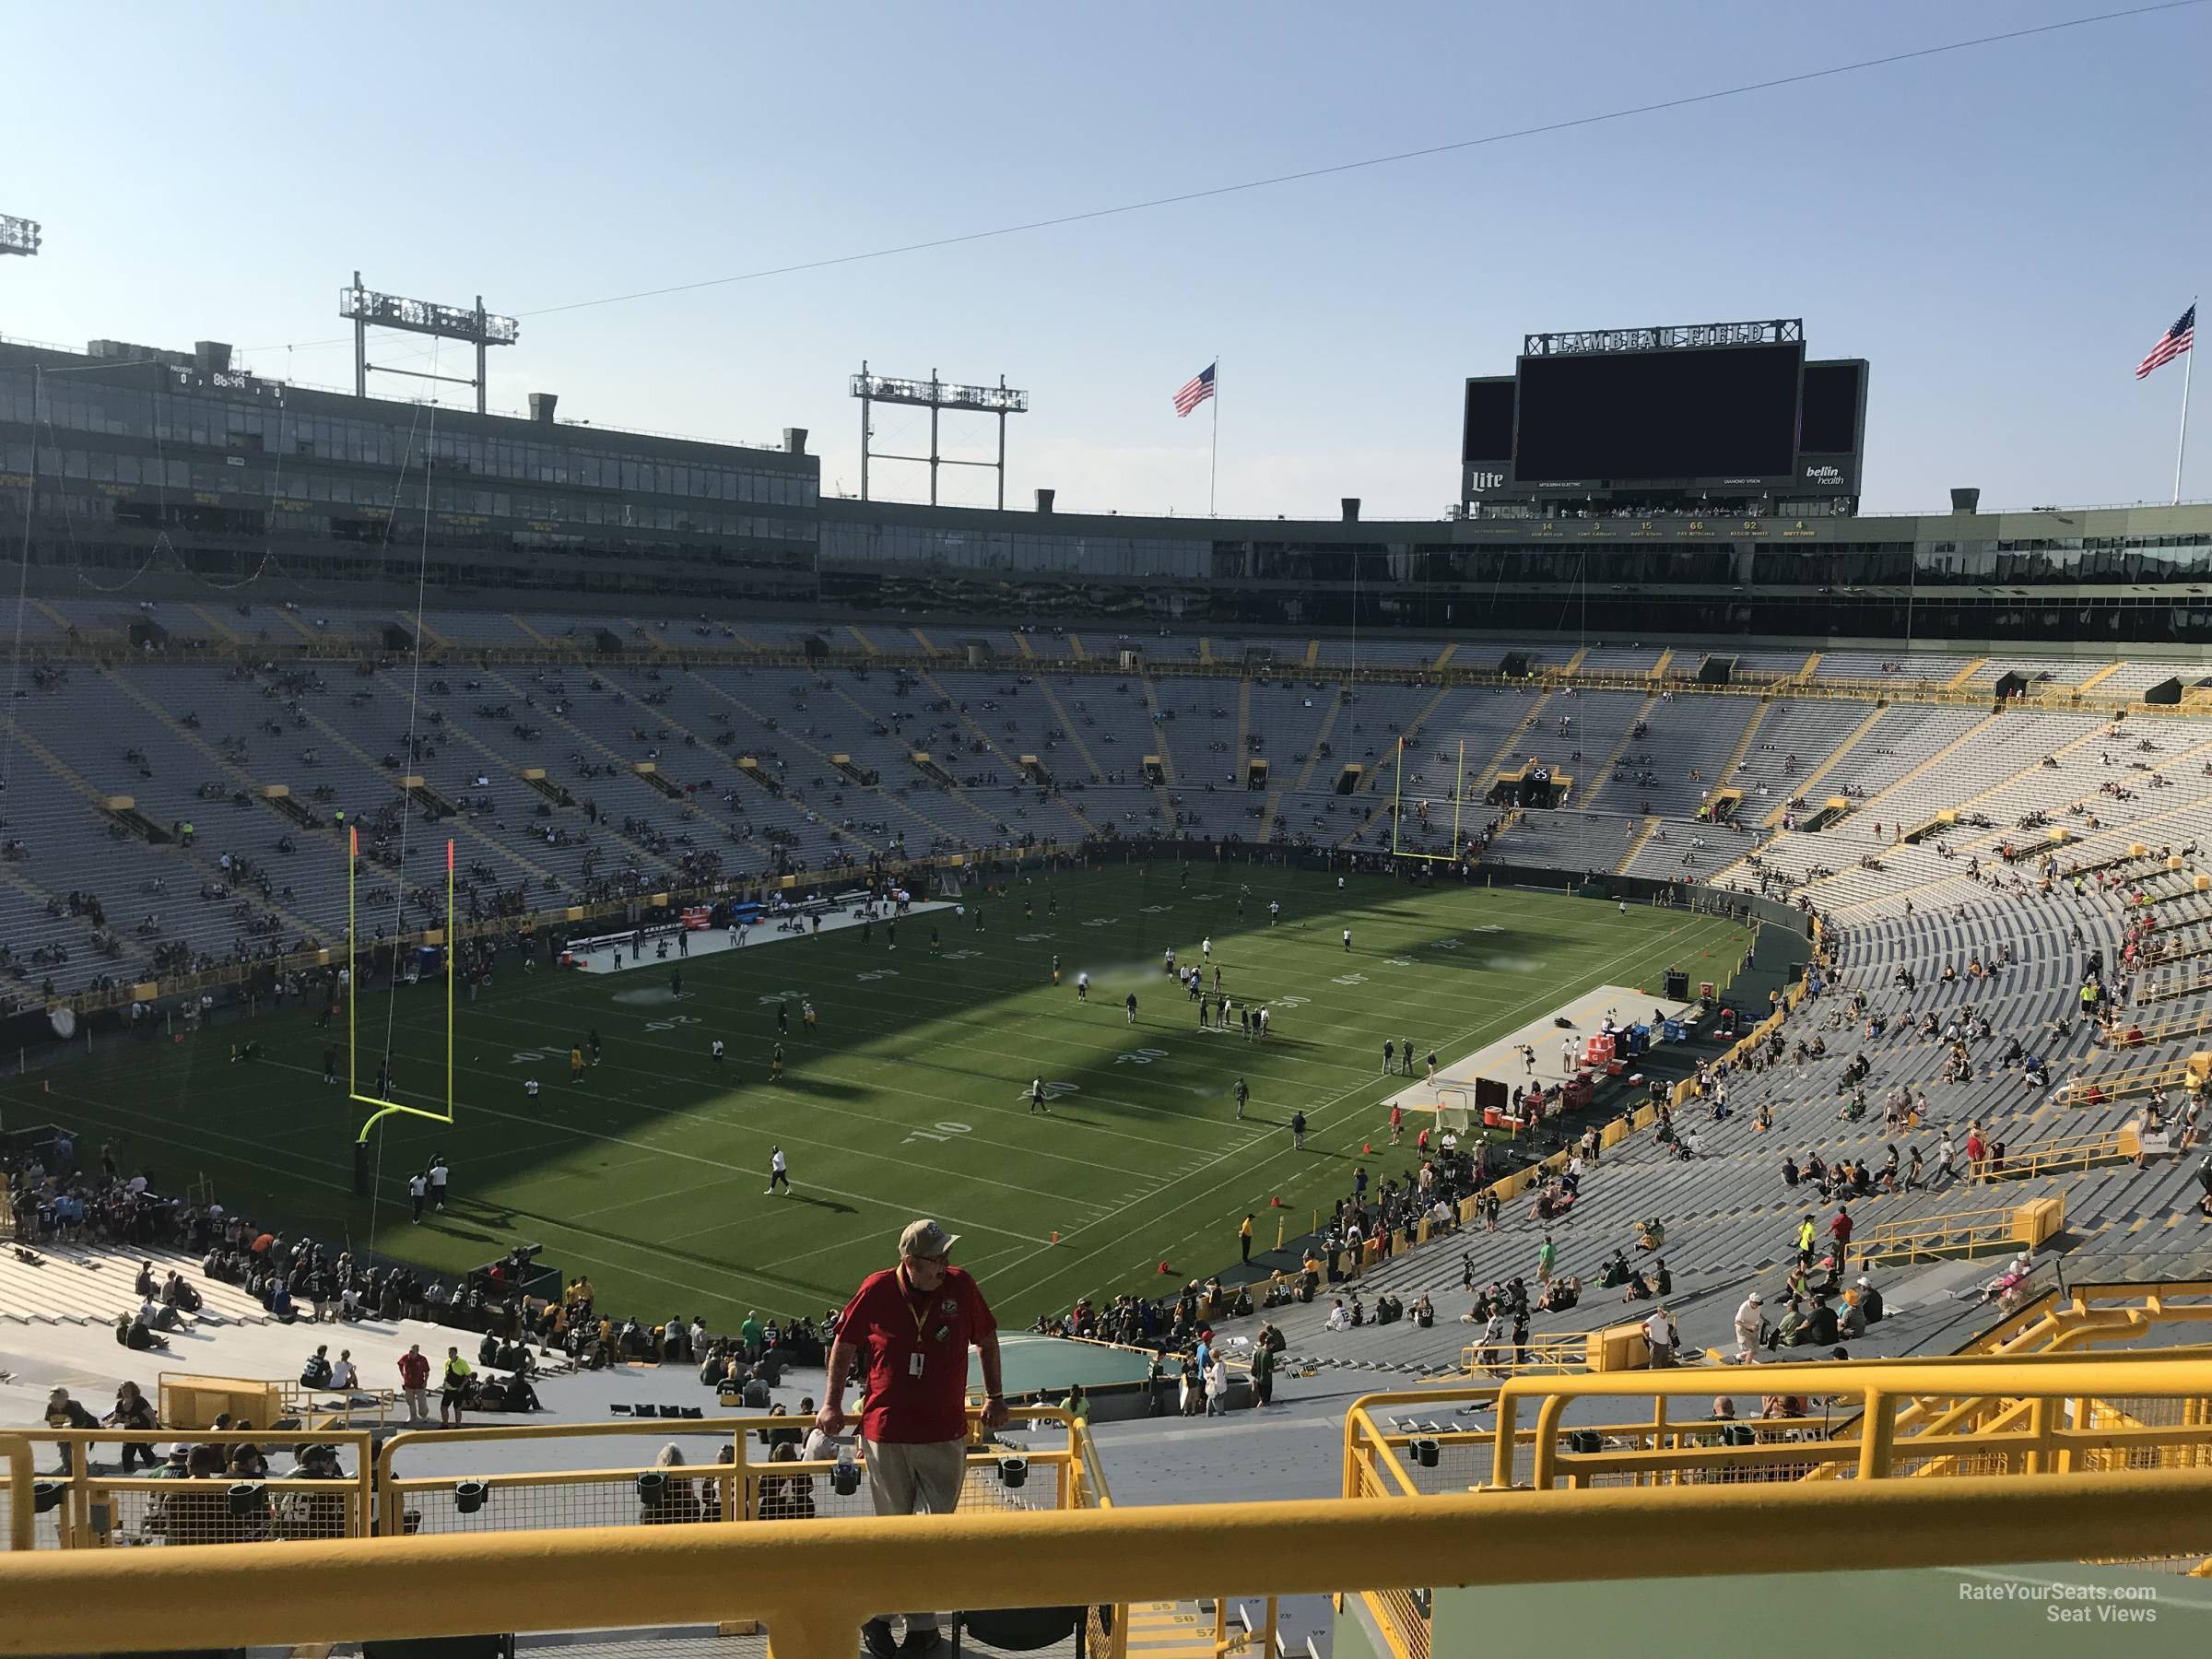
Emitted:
<point x="2042" y="524"/>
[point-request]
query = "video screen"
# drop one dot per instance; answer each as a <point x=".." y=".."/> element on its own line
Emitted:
<point x="1489" y="433"/>
<point x="1710" y="412"/>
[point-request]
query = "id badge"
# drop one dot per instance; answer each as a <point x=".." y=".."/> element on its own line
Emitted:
<point x="913" y="1364"/>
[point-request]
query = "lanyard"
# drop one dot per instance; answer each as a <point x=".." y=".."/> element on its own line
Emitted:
<point x="906" y="1288"/>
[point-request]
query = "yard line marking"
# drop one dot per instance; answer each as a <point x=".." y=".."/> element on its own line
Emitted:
<point x="1459" y="1039"/>
<point x="751" y="1172"/>
<point x="97" y="1108"/>
<point x="910" y="1062"/>
<point x="694" y="1116"/>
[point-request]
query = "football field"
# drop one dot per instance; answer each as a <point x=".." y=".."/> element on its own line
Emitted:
<point x="910" y="1098"/>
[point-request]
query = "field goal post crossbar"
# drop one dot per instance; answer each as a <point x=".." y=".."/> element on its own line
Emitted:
<point x="385" y="1108"/>
<point x="1398" y="808"/>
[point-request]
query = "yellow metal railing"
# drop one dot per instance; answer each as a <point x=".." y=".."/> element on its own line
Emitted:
<point x="22" y="1514"/>
<point x="2133" y="1080"/>
<point x="1962" y="1232"/>
<point x="2145" y="1036"/>
<point x="2089" y="1315"/>
<point x="2110" y="1458"/>
<point x="1558" y="1352"/>
<point x="2176" y="947"/>
<point x="814" y="1583"/>
<point x="2166" y="987"/>
<point x="744" y="1485"/>
<point x="2068" y="1152"/>
<point x="72" y="1507"/>
<point x="1932" y="1406"/>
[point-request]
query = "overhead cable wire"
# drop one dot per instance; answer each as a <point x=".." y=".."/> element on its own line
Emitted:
<point x="1369" y="163"/>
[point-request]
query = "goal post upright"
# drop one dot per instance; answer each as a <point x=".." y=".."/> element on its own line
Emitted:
<point x="353" y="978"/>
<point x="453" y="975"/>
<point x="1397" y="801"/>
<point x="385" y="1108"/>
<point x="1397" y="807"/>
<point x="1459" y="794"/>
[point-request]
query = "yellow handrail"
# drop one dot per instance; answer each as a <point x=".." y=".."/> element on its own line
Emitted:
<point x="22" y="1512"/>
<point x="1556" y="1353"/>
<point x="814" y="1582"/>
<point x="1876" y="1387"/>
<point x="2068" y="1152"/>
<point x="76" y="1517"/>
<point x="2141" y="1079"/>
<point x="1927" y="1235"/>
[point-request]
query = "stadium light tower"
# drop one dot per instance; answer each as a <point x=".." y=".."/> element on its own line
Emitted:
<point x="369" y="310"/>
<point x="20" y="235"/>
<point x="935" y="394"/>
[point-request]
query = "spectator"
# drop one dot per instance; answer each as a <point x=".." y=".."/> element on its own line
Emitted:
<point x="200" y="1512"/>
<point x="909" y="1329"/>
<point x="671" y="1500"/>
<point x="415" y="1382"/>
<point x="317" y="1514"/>
<point x="714" y="1489"/>
<point x="786" y="1497"/>
<point x="1750" y="1327"/>
<point x="454" y="1387"/>
<point x="1870" y="1301"/>
<point x="133" y="1411"/>
<point x="63" y="1411"/>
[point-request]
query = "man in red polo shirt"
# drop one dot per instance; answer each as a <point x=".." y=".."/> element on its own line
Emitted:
<point x="910" y="1328"/>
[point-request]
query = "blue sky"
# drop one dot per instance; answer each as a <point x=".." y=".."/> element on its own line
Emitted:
<point x="2003" y="232"/>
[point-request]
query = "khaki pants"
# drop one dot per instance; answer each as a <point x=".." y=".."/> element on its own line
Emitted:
<point x="906" y="1479"/>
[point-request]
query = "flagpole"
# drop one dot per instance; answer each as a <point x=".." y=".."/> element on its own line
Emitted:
<point x="1212" y="463"/>
<point x="2181" y="447"/>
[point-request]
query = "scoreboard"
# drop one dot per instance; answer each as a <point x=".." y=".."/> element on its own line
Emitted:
<point x="1716" y="410"/>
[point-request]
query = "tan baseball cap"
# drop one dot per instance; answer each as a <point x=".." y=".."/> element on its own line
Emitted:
<point x="927" y="1240"/>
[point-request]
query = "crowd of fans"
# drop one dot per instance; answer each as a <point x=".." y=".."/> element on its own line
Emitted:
<point x="59" y="1200"/>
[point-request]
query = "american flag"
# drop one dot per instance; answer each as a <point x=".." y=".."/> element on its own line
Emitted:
<point x="1201" y="386"/>
<point x="2178" y="339"/>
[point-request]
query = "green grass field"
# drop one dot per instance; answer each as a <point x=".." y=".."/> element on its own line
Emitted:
<point x="909" y="1100"/>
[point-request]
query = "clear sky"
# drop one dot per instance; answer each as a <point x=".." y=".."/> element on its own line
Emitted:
<point x="2003" y="232"/>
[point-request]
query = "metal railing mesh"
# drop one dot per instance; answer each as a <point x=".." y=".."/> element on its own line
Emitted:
<point x="684" y="1495"/>
<point x="589" y="1498"/>
<point x="47" y="1525"/>
<point x="128" y="1513"/>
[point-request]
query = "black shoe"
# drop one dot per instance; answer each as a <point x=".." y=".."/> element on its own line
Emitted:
<point x="876" y="1640"/>
<point x="927" y="1639"/>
